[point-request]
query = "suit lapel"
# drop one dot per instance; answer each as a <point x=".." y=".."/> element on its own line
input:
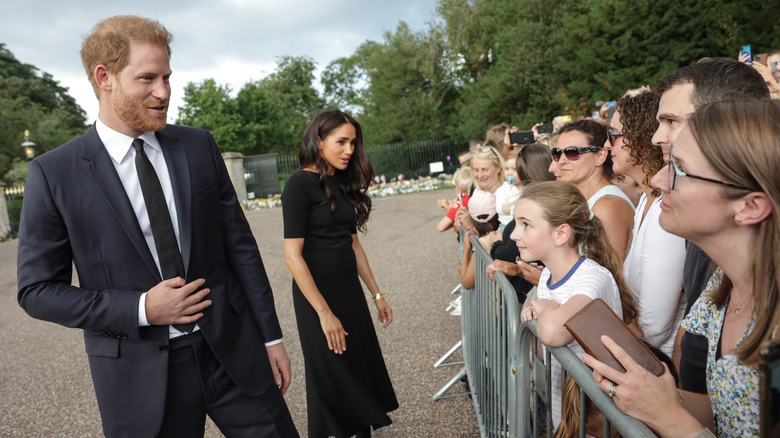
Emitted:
<point x="98" y="166"/>
<point x="178" y="167"/>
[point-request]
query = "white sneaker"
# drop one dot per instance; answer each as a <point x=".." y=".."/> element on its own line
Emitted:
<point x="456" y="310"/>
<point x="456" y="301"/>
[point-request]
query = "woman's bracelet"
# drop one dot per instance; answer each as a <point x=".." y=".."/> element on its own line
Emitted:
<point x="378" y="296"/>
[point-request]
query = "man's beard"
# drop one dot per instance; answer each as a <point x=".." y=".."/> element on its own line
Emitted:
<point x="135" y="114"/>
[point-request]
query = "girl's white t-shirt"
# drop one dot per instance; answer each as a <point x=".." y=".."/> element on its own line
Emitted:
<point x="587" y="278"/>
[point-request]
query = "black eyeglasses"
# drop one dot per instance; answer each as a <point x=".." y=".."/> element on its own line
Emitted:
<point x="573" y="153"/>
<point x="675" y="171"/>
<point x="613" y="135"/>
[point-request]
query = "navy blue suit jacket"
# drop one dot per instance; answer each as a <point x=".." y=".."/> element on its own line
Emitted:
<point x="76" y="211"/>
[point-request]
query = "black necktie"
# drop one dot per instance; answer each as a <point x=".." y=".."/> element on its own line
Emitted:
<point x="168" y="253"/>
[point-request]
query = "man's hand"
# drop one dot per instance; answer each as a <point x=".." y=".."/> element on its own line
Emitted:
<point x="530" y="271"/>
<point x="507" y="268"/>
<point x="174" y="302"/>
<point x="280" y="365"/>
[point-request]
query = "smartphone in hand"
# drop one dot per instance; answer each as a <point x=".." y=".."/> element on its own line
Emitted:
<point x="746" y="50"/>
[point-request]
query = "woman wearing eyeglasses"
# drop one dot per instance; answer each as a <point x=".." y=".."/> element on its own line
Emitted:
<point x="721" y="191"/>
<point x="581" y="159"/>
<point x="654" y="262"/>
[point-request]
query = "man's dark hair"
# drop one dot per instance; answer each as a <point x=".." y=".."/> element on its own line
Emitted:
<point x="773" y="53"/>
<point x="716" y="79"/>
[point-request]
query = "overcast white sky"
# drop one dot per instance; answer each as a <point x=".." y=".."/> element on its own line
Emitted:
<point x="232" y="41"/>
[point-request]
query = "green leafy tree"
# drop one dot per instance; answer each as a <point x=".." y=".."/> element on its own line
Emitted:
<point x="209" y="105"/>
<point x="265" y="124"/>
<point x="33" y="100"/>
<point x="525" y="61"/>
<point x="291" y="86"/>
<point x="269" y="115"/>
<point x="400" y="90"/>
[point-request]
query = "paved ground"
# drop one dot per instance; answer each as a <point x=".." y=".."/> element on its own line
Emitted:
<point x="45" y="385"/>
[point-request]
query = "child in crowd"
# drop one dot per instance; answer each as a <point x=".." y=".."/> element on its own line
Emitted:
<point x="463" y="158"/>
<point x="480" y="219"/>
<point x="464" y="180"/>
<point x="509" y="192"/>
<point x="554" y="225"/>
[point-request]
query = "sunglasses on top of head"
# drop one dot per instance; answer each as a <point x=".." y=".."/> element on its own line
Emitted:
<point x="483" y="149"/>
<point x="573" y="153"/>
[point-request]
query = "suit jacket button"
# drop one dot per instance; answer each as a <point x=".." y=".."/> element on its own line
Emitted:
<point x="163" y="348"/>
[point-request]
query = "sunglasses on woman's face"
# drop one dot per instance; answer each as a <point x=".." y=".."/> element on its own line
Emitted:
<point x="613" y="135"/>
<point x="573" y="153"/>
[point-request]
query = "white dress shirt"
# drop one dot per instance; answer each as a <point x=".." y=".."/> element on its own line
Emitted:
<point x="120" y="148"/>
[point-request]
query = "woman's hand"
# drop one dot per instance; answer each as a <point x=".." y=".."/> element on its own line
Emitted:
<point x="540" y="138"/>
<point x="334" y="332"/>
<point x="384" y="311"/>
<point x="638" y="393"/>
<point x="464" y="218"/>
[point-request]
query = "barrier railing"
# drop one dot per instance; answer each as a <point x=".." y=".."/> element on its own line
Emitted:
<point x="490" y="324"/>
<point x="505" y="377"/>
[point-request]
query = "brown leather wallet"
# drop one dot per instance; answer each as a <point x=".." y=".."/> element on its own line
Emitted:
<point x="597" y="319"/>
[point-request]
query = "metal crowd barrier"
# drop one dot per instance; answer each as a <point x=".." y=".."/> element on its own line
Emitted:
<point x="506" y="379"/>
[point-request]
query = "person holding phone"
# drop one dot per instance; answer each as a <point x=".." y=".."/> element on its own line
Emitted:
<point x="720" y="190"/>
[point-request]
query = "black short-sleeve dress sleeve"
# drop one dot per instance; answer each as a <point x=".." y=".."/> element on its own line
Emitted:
<point x="296" y="200"/>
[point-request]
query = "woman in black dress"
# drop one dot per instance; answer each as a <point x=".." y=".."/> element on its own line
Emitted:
<point x="324" y="202"/>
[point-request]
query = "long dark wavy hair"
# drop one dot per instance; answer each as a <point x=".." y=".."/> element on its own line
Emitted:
<point x="355" y="179"/>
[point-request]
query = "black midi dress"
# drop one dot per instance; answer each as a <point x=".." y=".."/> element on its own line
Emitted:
<point x="345" y="393"/>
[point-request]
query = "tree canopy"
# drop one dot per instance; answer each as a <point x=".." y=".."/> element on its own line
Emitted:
<point x="478" y="63"/>
<point x="32" y="100"/>
<point x="269" y="115"/>
<point x="483" y="62"/>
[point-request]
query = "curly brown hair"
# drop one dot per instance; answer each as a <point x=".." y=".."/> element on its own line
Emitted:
<point x="637" y="114"/>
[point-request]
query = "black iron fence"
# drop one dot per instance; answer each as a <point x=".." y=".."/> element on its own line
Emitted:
<point x="411" y="159"/>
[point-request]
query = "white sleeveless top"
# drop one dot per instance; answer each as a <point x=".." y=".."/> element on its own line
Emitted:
<point x="608" y="190"/>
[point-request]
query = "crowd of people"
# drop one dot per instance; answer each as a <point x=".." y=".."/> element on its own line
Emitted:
<point x="666" y="210"/>
<point x="664" y="205"/>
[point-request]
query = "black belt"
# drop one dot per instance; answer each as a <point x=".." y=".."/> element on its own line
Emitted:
<point x="186" y="340"/>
